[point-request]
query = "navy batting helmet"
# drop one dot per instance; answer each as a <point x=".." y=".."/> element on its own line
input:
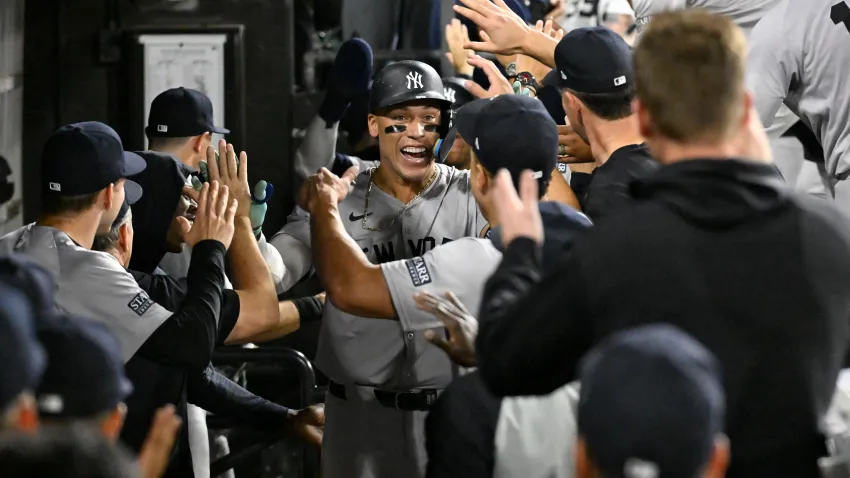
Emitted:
<point x="406" y="81"/>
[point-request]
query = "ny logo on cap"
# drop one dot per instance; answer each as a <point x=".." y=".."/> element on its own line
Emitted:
<point x="449" y="94"/>
<point x="162" y="128"/>
<point x="620" y="80"/>
<point x="414" y="80"/>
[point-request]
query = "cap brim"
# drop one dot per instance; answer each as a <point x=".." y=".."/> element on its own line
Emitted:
<point x="219" y="130"/>
<point x="465" y="117"/>
<point x="132" y="191"/>
<point x="133" y="164"/>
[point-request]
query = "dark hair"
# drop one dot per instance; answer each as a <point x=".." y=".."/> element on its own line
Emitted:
<point x="162" y="142"/>
<point x="608" y="106"/>
<point x="64" y="452"/>
<point x="53" y="205"/>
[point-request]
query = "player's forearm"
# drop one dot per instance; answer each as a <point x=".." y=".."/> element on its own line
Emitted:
<point x="541" y="47"/>
<point x="344" y="270"/>
<point x="289" y="320"/>
<point x="250" y="276"/>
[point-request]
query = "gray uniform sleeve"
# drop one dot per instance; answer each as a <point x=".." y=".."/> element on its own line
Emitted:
<point x="460" y="266"/>
<point x="317" y="150"/>
<point x="292" y="243"/>
<point x="272" y="258"/>
<point x="770" y="64"/>
<point x="110" y="292"/>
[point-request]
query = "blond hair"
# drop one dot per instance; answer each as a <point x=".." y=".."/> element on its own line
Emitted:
<point x="689" y="74"/>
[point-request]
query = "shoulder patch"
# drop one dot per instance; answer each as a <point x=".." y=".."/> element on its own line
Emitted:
<point x="140" y="303"/>
<point x="418" y="271"/>
<point x="562" y="168"/>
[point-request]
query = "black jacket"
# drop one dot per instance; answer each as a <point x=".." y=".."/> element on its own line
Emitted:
<point x="608" y="191"/>
<point x="724" y="251"/>
<point x="162" y="181"/>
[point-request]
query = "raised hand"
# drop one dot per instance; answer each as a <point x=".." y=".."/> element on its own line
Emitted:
<point x="526" y="63"/>
<point x="232" y="173"/>
<point x="498" y="84"/>
<point x="461" y="325"/>
<point x="213" y="218"/>
<point x="504" y="32"/>
<point x="326" y="187"/>
<point x="457" y="36"/>
<point x="518" y="215"/>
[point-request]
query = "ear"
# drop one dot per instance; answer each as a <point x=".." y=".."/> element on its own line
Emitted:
<point x="480" y="175"/>
<point x="112" y="425"/>
<point x="125" y="236"/>
<point x="584" y="467"/>
<point x="108" y="196"/>
<point x="719" y="460"/>
<point x="748" y="109"/>
<point x="647" y="129"/>
<point x="373" y="126"/>
<point x="27" y="420"/>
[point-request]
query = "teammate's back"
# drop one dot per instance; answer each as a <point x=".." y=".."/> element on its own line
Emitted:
<point x="799" y="54"/>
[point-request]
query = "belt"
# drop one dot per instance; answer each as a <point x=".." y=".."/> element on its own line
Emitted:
<point x="420" y="400"/>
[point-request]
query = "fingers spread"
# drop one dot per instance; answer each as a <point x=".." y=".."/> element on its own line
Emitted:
<point x="242" y="165"/>
<point x="203" y="199"/>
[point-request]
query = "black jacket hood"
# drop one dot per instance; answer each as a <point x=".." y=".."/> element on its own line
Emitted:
<point x="715" y="193"/>
<point x="162" y="182"/>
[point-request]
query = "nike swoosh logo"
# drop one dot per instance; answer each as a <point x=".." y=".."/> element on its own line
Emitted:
<point x="352" y="217"/>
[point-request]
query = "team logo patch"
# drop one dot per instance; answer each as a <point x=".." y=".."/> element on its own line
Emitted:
<point x="418" y="271"/>
<point x="162" y="128"/>
<point x="620" y="80"/>
<point x="140" y="304"/>
<point x="414" y="80"/>
<point x="562" y="168"/>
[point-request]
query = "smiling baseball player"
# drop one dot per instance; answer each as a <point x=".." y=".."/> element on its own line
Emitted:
<point x="401" y="209"/>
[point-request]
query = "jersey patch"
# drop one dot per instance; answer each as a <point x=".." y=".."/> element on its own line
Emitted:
<point x="140" y="304"/>
<point x="418" y="271"/>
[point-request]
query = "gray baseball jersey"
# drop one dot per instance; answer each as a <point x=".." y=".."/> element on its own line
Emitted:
<point x="745" y="13"/>
<point x="592" y="13"/>
<point x="90" y="284"/>
<point x="799" y="56"/>
<point x="354" y="350"/>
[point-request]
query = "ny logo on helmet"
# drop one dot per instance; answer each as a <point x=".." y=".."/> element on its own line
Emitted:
<point x="414" y="80"/>
<point x="449" y="94"/>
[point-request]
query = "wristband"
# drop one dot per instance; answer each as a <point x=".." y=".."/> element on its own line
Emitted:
<point x="309" y="309"/>
<point x="525" y="83"/>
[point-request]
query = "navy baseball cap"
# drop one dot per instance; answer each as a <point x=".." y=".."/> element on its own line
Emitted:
<point x="181" y="112"/>
<point x="22" y="358"/>
<point x="594" y="60"/>
<point x="454" y="89"/>
<point x="85" y="371"/>
<point x="652" y="404"/>
<point x="512" y="132"/>
<point x="34" y="281"/>
<point x="83" y="158"/>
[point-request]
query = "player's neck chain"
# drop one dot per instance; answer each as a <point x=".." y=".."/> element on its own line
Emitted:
<point x="398" y="214"/>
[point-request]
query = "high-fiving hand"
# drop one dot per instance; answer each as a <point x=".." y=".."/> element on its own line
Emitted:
<point x="326" y="187"/>
<point x="499" y="85"/>
<point x="214" y="216"/>
<point x="502" y="31"/>
<point x="518" y="215"/>
<point x="461" y="325"/>
<point x="232" y="173"/>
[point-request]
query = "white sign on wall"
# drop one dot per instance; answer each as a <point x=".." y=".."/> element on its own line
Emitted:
<point x="188" y="60"/>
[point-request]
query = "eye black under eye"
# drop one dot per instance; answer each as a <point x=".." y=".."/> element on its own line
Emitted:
<point x="431" y="128"/>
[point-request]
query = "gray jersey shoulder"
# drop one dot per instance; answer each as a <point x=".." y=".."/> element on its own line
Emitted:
<point x="745" y="13"/>
<point x="91" y="285"/>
